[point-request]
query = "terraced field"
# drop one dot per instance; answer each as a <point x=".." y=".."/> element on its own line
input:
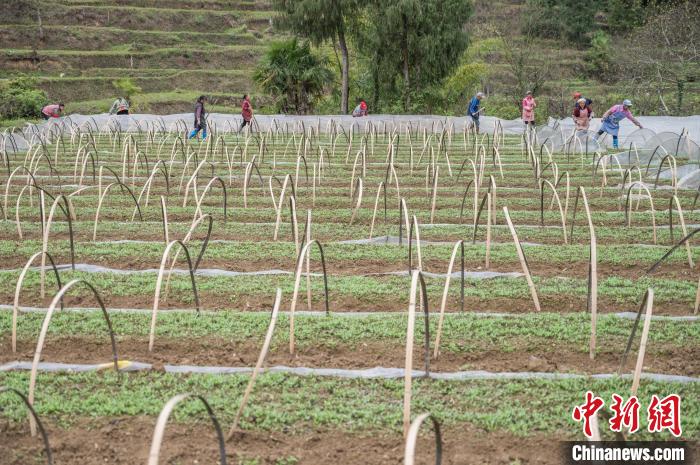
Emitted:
<point x="173" y="50"/>
<point x="346" y="224"/>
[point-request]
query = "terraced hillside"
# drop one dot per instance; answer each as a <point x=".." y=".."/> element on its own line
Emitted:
<point x="173" y="50"/>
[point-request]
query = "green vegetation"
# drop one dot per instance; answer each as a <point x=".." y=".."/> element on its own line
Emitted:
<point x="19" y="98"/>
<point x="292" y="403"/>
<point x="466" y="333"/>
<point x="294" y="75"/>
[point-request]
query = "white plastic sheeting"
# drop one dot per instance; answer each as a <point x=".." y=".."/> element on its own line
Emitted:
<point x="231" y="123"/>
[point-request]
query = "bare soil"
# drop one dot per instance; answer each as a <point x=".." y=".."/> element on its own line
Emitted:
<point x="127" y="441"/>
<point x="523" y="355"/>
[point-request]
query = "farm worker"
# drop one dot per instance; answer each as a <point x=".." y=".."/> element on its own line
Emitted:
<point x="475" y="109"/>
<point x="52" y="111"/>
<point x="120" y="107"/>
<point x="589" y="102"/>
<point x="200" y="118"/>
<point x="611" y="120"/>
<point x="529" y="105"/>
<point x="246" y="112"/>
<point x="582" y="115"/>
<point x="360" y="109"/>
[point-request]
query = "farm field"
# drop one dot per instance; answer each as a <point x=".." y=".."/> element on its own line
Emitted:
<point x="316" y="252"/>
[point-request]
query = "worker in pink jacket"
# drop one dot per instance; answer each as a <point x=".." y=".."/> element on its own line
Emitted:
<point x="529" y="105"/>
<point x="582" y="115"/>
<point x="52" y="111"/>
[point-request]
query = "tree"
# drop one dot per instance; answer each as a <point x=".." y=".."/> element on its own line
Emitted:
<point x="417" y="41"/>
<point x="527" y="71"/>
<point x="663" y="54"/>
<point x="292" y="73"/>
<point x="599" y="56"/>
<point x="320" y="21"/>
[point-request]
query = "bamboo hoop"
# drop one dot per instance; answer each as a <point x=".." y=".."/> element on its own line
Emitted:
<point x="159" y="282"/>
<point x="561" y="210"/>
<point x="101" y="199"/>
<point x="628" y="206"/>
<point x="18" y="288"/>
<point x="412" y="439"/>
<point x="297" y="282"/>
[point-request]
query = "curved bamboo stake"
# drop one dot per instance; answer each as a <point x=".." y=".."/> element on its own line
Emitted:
<point x="523" y="260"/>
<point x="561" y="210"/>
<point x="258" y="365"/>
<point x="164" y="215"/>
<point x="32" y="412"/>
<point x="434" y="196"/>
<point x="190" y="181"/>
<point x="198" y="209"/>
<point x="159" y="282"/>
<point x="280" y="203"/>
<point x="673" y="249"/>
<point x="674" y="170"/>
<point x="376" y="205"/>
<point x="592" y="268"/>
<point x="443" y="304"/>
<point x="412" y="439"/>
<point x="185" y="240"/>
<point x="147" y="185"/>
<point x="683" y="228"/>
<point x="414" y="225"/>
<point x="45" y="327"/>
<point x="648" y="304"/>
<point x="162" y="421"/>
<point x="41" y="209"/>
<point x="18" y="288"/>
<point x="45" y="238"/>
<point x="416" y="276"/>
<point x="628" y="206"/>
<point x="297" y="282"/>
<point x="359" y="191"/>
<point x="403" y="211"/>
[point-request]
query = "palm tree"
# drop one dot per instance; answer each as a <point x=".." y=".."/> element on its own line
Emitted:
<point x="294" y="75"/>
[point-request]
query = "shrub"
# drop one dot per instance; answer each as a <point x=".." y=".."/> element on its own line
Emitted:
<point x="20" y="98"/>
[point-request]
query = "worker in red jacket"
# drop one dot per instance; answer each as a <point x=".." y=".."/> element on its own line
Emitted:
<point x="52" y="111"/>
<point x="246" y="112"/>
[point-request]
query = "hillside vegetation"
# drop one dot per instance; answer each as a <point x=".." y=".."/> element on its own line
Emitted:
<point x="176" y="50"/>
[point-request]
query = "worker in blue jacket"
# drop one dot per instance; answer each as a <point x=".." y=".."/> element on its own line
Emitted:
<point x="474" y="110"/>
